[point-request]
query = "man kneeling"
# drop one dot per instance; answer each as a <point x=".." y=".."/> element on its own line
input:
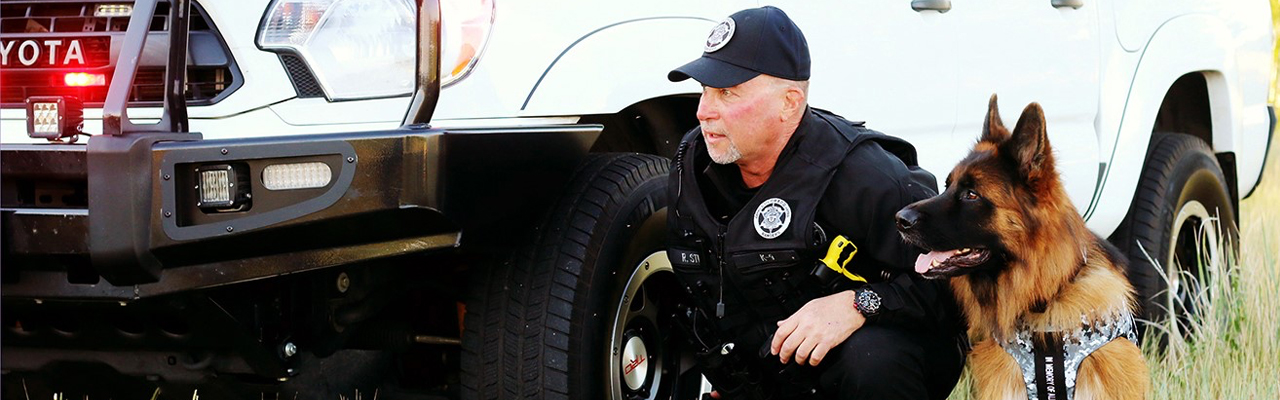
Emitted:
<point x="760" y="190"/>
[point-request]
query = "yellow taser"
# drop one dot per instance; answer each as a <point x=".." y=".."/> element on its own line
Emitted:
<point x="836" y="258"/>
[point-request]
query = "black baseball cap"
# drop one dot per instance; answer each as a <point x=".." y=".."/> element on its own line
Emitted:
<point x="749" y="43"/>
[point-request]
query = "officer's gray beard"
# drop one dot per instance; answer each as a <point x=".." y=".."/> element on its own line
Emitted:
<point x="730" y="156"/>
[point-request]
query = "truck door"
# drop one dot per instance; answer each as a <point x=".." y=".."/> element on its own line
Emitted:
<point x="1034" y="50"/>
<point x="888" y="64"/>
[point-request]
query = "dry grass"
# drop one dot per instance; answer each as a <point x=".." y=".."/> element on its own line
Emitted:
<point x="1234" y="348"/>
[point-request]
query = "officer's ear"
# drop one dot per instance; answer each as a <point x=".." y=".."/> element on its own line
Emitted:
<point x="794" y="101"/>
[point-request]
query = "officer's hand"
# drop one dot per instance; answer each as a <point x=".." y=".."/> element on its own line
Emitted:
<point x="819" y="326"/>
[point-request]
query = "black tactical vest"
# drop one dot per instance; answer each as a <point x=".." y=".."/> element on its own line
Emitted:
<point x="757" y="267"/>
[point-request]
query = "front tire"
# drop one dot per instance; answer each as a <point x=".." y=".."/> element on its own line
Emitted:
<point x="545" y="324"/>
<point x="1182" y="217"/>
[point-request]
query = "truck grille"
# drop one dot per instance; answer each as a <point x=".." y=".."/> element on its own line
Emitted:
<point x="303" y="81"/>
<point x="211" y="71"/>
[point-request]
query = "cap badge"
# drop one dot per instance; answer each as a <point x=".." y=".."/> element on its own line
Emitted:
<point x="720" y="36"/>
<point x="772" y="218"/>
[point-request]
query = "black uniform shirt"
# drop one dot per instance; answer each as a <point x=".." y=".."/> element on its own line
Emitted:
<point x="724" y="191"/>
<point x="861" y="203"/>
<point x="870" y="186"/>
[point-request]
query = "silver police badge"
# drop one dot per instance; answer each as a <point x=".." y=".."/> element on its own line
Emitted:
<point x="772" y="218"/>
<point x="720" y="36"/>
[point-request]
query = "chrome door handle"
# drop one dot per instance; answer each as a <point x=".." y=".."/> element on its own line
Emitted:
<point x="1074" y="4"/>
<point x="935" y="5"/>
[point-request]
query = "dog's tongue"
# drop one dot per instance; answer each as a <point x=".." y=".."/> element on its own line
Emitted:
<point x="925" y="262"/>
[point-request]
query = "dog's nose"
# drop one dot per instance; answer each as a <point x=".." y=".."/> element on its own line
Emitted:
<point x="907" y="218"/>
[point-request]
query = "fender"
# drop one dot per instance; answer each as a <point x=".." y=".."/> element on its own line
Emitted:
<point x="1169" y="55"/>
<point x="615" y="66"/>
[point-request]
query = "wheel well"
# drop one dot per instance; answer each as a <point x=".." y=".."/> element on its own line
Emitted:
<point x="653" y="126"/>
<point x="1185" y="109"/>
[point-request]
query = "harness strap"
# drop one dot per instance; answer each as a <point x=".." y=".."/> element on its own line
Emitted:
<point x="1051" y="379"/>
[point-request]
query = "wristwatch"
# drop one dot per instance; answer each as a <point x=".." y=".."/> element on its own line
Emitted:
<point x="867" y="302"/>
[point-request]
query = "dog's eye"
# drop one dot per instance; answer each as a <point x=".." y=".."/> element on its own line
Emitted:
<point x="970" y="195"/>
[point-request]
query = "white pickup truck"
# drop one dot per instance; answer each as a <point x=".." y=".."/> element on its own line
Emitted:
<point x="512" y="248"/>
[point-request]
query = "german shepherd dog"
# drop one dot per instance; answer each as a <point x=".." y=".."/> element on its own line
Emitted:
<point x="1034" y="283"/>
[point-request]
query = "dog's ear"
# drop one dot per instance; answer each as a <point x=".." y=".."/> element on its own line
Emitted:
<point x="1029" y="145"/>
<point x="993" y="129"/>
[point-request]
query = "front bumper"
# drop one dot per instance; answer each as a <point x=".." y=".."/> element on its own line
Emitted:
<point x="393" y="192"/>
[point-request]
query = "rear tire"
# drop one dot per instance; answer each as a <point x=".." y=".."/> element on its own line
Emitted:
<point x="1182" y="217"/>
<point x="542" y="325"/>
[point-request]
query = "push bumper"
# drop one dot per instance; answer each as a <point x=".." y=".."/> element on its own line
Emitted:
<point x="391" y="193"/>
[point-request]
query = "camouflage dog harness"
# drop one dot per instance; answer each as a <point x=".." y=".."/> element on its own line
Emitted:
<point x="1049" y="366"/>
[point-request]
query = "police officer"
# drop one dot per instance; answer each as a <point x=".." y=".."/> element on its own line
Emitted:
<point x="761" y="188"/>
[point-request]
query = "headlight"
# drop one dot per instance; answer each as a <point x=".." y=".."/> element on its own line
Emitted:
<point x="356" y="48"/>
<point x="365" y="48"/>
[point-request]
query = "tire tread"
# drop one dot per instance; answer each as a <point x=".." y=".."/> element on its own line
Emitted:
<point x="518" y="316"/>
<point x="1144" y="225"/>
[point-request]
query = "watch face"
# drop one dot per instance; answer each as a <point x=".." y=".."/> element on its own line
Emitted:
<point x="868" y="302"/>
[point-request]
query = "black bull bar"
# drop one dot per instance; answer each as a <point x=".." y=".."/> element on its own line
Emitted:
<point x="144" y="231"/>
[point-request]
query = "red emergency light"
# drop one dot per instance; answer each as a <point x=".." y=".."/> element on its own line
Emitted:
<point x="80" y="79"/>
